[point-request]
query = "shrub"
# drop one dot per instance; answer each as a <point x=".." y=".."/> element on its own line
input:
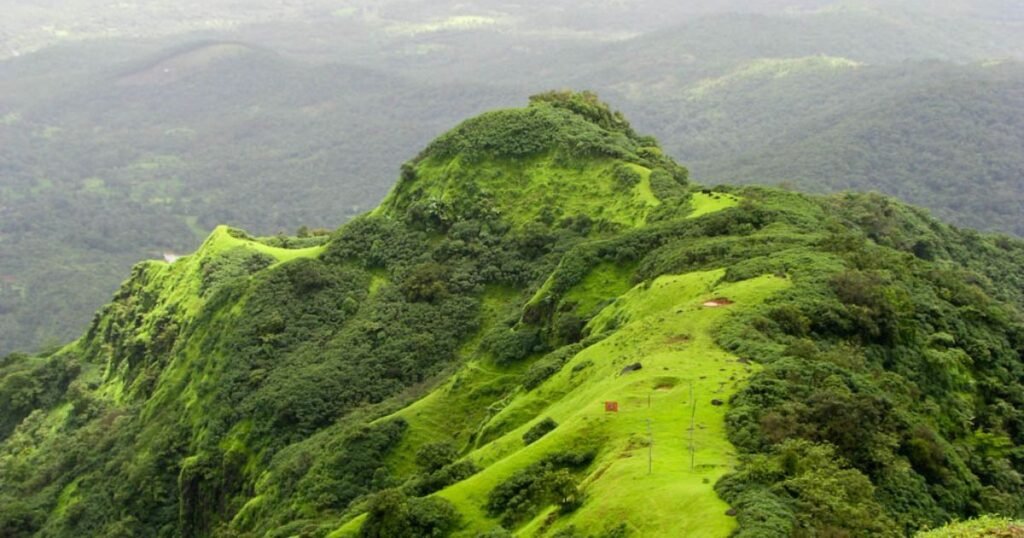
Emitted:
<point x="508" y="346"/>
<point x="981" y="527"/>
<point x="530" y="489"/>
<point x="539" y="430"/>
<point x="626" y="177"/>
<point x="540" y="371"/>
<point x="392" y="515"/>
<point x="666" y="187"/>
<point x="588" y="105"/>
<point x="497" y="532"/>
<point x="432" y="457"/>
<point x="18" y="519"/>
<point x="568" y="328"/>
<point x="442" y="478"/>
<point x="426" y="282"/>
<point x="804" y="485"/>
<point x="543" y="369"/>
<point x="357" y="466"/>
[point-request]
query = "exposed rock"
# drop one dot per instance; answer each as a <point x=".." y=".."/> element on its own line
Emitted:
<point x="631" y="368"/>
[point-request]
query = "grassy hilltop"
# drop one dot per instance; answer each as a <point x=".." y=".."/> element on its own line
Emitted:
<point x="783" y="364"/>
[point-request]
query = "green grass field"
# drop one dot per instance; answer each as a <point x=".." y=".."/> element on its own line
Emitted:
<point x="665" y="327"/>
<point x="709" y="203"/>
<point x="520" y="190"/>
<point x="220" y="240"/>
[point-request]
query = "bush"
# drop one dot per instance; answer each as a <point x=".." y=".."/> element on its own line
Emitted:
<point x="568" y="328"/>
<point x="508" y="346"/>
<point x="588" y="105"/>
<point x="618" y="531"/>
<point x="442" y="478"/>
<point x="666" y="187"/>
<point x="426" y="282"/>
<point x="18" y="519"/>
<point x="540" y="371"/>
<point x="981" y="527"/>
<point x="626" y="177"/>
<point x="434" y="456"/>
<point x="544" y="368"/>
<point x="527" y="491"/>
<point x="539" y="430"/>
<point x="356" y="467"/>
<point x="392" y="515"/>
<point x="807" y="486"/>
<point x="497" y="532"/>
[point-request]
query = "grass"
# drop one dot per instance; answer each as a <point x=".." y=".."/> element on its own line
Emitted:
<point x="662" y="325"/>
<point x="521" y="190"/>
<point x="349" y="529"/>
<point x="982" y="527"/>
<point x="68" y="497"/>
<point x="604" y="281"/>
<point x="454" y="411"/>
<point x="221" y="240"/>
<point x="667" y="331"/>
<point x="703" y="203"/>
<point x="378" y="279"/>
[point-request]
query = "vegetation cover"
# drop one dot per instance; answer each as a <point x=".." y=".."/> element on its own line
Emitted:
<point x="782" y="364"/>
<point x="985" y="526"/>
<point x="122" y="149"/>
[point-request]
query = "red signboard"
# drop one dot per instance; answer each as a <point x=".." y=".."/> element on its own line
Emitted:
<point x="611" y="407"/>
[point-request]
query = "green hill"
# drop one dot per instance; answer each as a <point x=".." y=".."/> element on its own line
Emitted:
<point x="449" y="363"/>
<point x="120" y="150"/>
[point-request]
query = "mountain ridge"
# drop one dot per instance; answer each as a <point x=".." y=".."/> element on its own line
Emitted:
<point x="839" y="364"/>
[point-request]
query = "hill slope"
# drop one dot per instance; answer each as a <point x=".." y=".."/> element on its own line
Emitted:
<point x="782" y="364"/>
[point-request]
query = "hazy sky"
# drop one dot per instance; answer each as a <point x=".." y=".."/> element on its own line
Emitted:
<point x="27" y="26"/>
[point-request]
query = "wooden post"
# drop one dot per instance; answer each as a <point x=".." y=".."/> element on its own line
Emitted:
<point x="693" y="415"/>
<point x="650" y="447"/>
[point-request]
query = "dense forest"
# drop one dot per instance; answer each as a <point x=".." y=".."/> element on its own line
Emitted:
<point x="121" y="150"/>
<point x="246" y="137"/>
<point x="781" y="364"/>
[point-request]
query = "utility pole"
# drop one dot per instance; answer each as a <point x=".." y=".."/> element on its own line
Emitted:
<point x="693" y="415"/>
<point x="650" y="447"/>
